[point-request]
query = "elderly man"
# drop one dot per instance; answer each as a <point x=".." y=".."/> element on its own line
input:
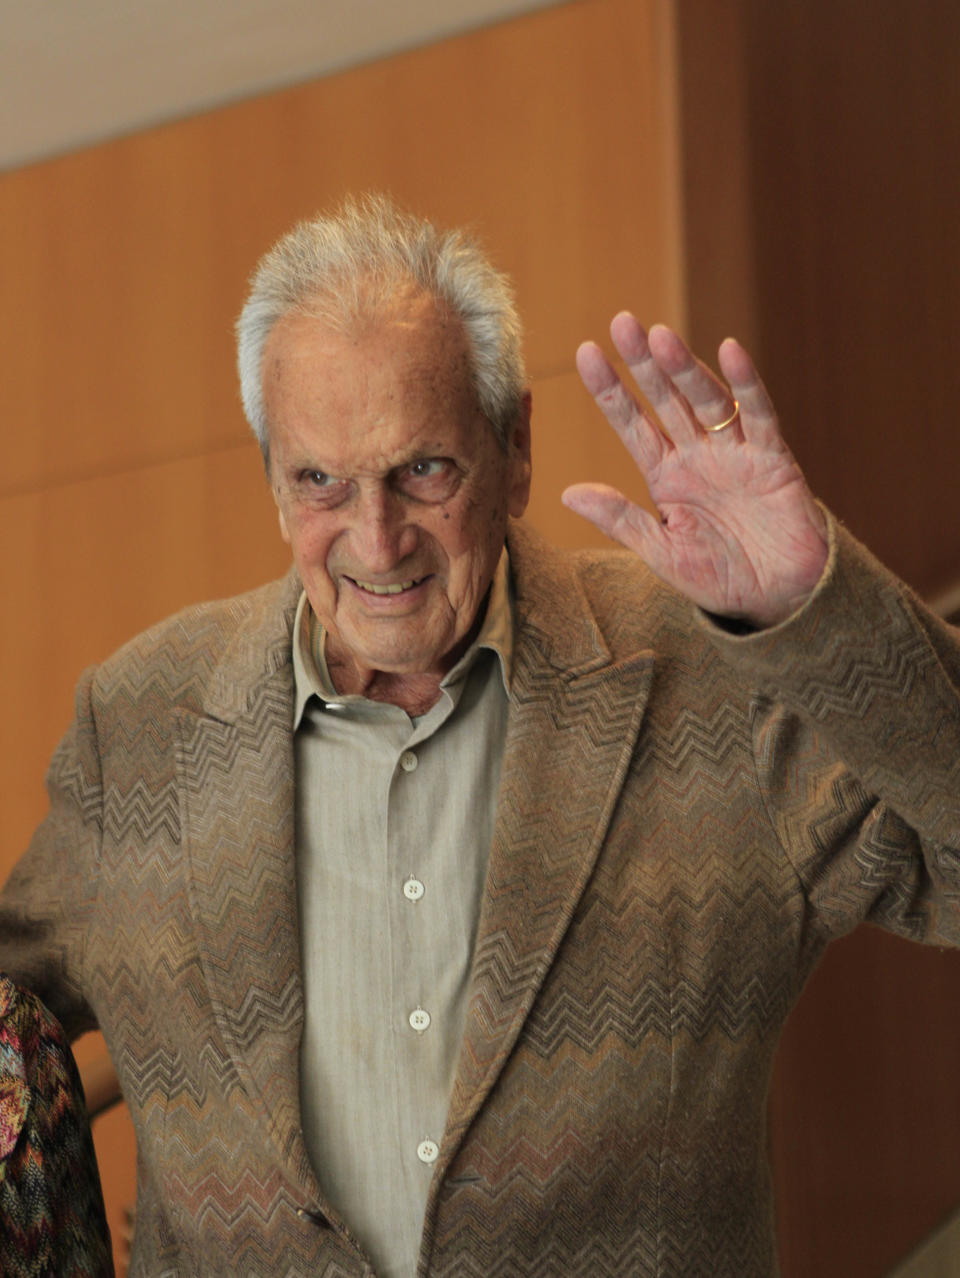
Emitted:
<point x="442" y="903"/>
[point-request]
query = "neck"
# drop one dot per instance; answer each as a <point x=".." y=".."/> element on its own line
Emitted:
<point x="414" y="693"/>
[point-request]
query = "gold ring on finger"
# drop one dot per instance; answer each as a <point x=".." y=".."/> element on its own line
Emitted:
<point x="728" y="422"/>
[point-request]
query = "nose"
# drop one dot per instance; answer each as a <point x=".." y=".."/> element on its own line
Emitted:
<point x="381" y="533"/>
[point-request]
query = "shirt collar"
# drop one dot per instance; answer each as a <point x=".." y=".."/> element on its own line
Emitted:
<point x="312" y="678"/>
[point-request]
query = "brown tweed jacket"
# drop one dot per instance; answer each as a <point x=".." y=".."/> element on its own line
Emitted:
<point x="686" y="818"/>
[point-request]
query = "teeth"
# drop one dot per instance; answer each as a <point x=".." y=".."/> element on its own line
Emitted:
<point x="393" y="589"/>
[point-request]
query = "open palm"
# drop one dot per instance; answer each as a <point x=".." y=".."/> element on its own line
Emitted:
<point x="739" y="531"/>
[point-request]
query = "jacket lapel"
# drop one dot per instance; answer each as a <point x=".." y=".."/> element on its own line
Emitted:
<point x="574" y="719"/>
<point x="235" y="763"/>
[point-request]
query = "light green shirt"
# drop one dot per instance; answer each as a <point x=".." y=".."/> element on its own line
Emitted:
<point x="394" y="823"/>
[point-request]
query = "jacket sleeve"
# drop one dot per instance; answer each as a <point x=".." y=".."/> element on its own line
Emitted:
<point x="857" y="747"/>
<point x="47" y="902"/>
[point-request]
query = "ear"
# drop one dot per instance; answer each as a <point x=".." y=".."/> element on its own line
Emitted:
<point x="519" y="458"/>
<point x="284" y="530"/>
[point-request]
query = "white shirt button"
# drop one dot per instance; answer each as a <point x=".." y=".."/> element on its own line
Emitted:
<point x="419" y="1020"/>
<point x="428" y="1151"/>
<point x="408" y="761"/>
<point x="413" y="889"/>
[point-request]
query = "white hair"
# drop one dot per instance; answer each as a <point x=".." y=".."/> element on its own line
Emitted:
<point x="341" y="267"/>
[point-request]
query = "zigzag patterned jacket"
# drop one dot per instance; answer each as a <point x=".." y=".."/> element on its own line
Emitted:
<point x="686" y="818"/>
<point x="52" y="1219"/>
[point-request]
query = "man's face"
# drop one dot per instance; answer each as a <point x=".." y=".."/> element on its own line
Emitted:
<point x="392" y="489"/>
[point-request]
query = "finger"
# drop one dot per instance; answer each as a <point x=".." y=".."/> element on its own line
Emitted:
<point x="596" y="371"/>
<point x="615" y="515"/>
<point x="758" y="417"/>
<point x="667" y="401"/>
<point x="641" y="436"/>
<point x="710" y="399"/>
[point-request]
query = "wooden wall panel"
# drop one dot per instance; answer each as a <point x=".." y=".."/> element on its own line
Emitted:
<point x="855" y="175"/>
<point x="585" y="448"/>
<point x="821" y="146"/>
<point x="866" y="1110"/>
<point x="123" y="268"/>
<point x="821" y="154"/>
<point x="129" y="488"/>
<point x="855" y="162"/>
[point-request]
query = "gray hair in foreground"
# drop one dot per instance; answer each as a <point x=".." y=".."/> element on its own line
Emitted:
<point x="340" y="267"/>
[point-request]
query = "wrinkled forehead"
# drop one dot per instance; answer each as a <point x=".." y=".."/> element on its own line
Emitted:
<point x="410" y="330"/>
<point x="395" y="375"/>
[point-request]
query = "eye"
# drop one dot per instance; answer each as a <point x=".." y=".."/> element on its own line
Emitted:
<point x="429" y="479"/>
<point x="426" y="468"/>
<point x="318" y="488"/>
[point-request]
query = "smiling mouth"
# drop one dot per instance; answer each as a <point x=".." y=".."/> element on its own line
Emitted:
<point x="394" y="588"/>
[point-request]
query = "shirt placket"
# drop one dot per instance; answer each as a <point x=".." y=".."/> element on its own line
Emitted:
<point x="420" y="1023"/>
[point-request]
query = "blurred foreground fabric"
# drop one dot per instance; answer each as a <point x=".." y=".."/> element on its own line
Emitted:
<point x="52" y="1219"/>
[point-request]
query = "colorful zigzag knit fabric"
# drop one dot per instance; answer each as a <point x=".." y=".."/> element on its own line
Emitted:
<point x="52" y="1219"/>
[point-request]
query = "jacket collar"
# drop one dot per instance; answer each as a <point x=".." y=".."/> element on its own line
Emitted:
<point x="555" y="623"/>
<point x="258" y="648"/>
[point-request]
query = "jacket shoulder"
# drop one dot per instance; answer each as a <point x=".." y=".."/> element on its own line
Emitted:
<point x="175" y="657"/>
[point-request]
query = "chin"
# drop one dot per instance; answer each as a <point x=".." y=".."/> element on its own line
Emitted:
<point x="402" y="660"/>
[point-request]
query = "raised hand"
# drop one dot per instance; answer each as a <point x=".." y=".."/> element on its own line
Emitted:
<point x="739" y="530"/>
